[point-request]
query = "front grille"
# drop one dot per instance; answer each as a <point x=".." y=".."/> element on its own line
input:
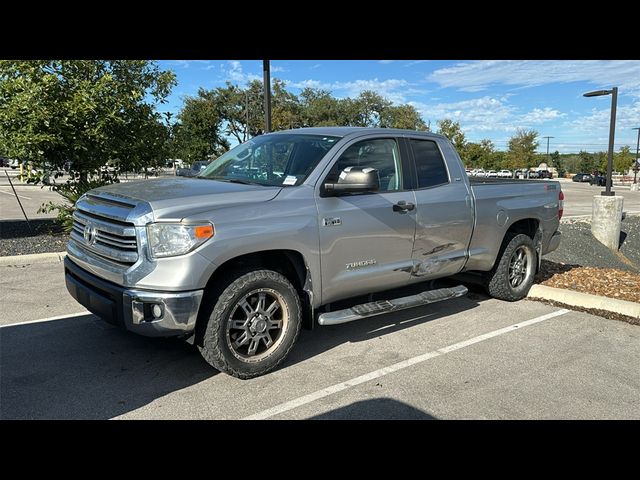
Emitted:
<point x="114" y="240"/>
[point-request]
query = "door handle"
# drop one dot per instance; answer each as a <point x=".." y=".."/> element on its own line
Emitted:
<point x="403" y="206"/>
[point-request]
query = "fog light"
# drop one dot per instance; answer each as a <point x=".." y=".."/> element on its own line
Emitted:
<point x="156" y="311"/>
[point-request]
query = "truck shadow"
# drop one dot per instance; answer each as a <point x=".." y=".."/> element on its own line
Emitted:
<point x="375" y="409"/>
<point x="83" y="368"/>
<point x="324" y="338"/>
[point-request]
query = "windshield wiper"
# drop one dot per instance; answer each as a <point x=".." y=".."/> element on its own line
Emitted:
<point x="233" y="180"/>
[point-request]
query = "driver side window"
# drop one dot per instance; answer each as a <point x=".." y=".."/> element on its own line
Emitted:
<point x="381" y="154"/>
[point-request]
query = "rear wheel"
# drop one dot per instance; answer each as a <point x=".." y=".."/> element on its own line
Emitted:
<point x="252" y="325"/>
<point x="512" y="277"/>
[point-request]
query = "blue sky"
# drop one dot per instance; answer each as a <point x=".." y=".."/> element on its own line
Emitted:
<point x="490" y="98"/>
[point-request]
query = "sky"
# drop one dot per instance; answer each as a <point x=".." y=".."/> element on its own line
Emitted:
<point x="490" y="98"/>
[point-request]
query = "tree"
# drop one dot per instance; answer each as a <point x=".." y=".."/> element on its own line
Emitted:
<point x="402" y="116"/>
<point x="198" y="132"/>
<point x="83" y="113"/>
<point x="480" y="155"/>
<point x="452" y="131"/>
<point x="86" y="112"/>
<point x="588" y="163"/>
<point x="556" y="162"/>
<point x="522" y="149"/>
<point x="623" y="160"/>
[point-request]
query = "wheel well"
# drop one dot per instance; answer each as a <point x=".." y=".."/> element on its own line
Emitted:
<point x="289" y="263"/>
<point x="528" y="226"/>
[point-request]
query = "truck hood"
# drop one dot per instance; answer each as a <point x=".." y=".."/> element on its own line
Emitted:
<point x="179" y="197"/>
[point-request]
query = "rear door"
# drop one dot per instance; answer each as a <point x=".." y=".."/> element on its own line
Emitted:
<point x="444" y="220"/>
<point x="365" y="243"/>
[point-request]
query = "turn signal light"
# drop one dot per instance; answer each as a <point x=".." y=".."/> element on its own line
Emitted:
<point x="204" y="232"/>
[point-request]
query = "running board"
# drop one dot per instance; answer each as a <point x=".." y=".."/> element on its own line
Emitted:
<point x="385" y="306"/>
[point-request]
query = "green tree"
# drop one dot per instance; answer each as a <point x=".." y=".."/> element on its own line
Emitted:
<point x="623" y="160"/>
<point x="556" y="161"/>
<point x="86" y="113"/>
<point x="480" y="155"/>
<point x="588" y="162"/>
<point x="198" y="134"/>
<point x="522" y="149"/>
<point x="402" y="116"/>
<point x="452" y="131"/>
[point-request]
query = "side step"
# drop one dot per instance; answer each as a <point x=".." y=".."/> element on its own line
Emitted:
<point x="385" y="306"/>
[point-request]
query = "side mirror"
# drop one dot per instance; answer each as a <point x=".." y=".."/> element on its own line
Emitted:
<point x="355" y="180"/>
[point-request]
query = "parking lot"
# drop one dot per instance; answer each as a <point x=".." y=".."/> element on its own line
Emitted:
<point x="473" y="357"/>
<point x="470" y="358"/>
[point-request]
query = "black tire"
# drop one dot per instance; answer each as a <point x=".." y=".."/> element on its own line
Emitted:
<point x="222" y="343"/>
<point x="499" y="279"/>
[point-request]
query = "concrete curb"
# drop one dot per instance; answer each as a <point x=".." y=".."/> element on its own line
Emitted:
<point x="585" y="300"/>
<point x="52" y="257"/>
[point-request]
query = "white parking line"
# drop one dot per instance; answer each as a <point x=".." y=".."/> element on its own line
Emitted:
<point x="11" y="193"/>
<point x="325" y="392"/>
<point x="59" y="317"/>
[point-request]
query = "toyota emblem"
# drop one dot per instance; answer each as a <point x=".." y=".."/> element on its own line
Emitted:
<point x="90" y="233"/>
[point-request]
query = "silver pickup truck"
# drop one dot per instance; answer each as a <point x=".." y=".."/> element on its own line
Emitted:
<point x="238" y="259"/>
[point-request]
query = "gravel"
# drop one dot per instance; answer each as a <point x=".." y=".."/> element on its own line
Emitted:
<point x="16" y="238"/>
<point x="579" y="247"/>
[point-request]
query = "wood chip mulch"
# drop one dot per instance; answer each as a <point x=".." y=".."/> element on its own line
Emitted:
<point x="607" y="282"/>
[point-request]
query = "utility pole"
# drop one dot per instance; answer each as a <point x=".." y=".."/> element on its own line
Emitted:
<point x="548" y="159"/>
<point x="266" y="69"/>
<point x="636" y="166"/>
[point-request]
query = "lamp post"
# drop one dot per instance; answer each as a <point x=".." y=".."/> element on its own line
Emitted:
<point x="612" y="130"/>
<point x="636" y="165"/>
<point x="606" y="214"/>
<point x="266" y="69"/>
<point x="548" y="160"/>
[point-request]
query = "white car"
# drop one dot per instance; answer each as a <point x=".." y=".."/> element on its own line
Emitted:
<point x="491" y="173"/>
<point x="479" y="172"/>
<point x="505" y="174"/>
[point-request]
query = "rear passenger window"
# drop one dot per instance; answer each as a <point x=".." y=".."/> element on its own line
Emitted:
<point x="429" y="163"/>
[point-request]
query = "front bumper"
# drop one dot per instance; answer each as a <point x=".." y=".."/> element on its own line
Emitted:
<point x="554" y="243"/>
<point x="132" y="309"/>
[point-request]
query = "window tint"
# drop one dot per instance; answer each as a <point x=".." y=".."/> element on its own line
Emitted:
<point x="381" y="154"/>
<point x="429" y="163"/>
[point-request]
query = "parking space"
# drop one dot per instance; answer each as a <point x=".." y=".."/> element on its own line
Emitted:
<point x="473" y="357"/>
<point x="578" y="198"/>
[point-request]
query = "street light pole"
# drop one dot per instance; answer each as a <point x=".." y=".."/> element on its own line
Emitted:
<point x="636" y="166"/>
<point x="267" y="95"/>
<point x="612" y="130"/>
<point x="548" y="160"/>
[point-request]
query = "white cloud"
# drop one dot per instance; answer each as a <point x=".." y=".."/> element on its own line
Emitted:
<point x="596" y="125"/>
<point x="313" y="67"/>
<point x="415" y="62"/>
<point x="233" y="72"/>
<point x="394" y="89"/>
<point x="385" y="62"/>
<point x="278" y="69"/>
<point x="479" y="75"/>
<point x="538" y="115"/>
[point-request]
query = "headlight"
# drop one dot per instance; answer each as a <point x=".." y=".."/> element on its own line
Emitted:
<point x="171" y="239"/>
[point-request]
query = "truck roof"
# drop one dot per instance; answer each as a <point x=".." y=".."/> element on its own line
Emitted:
<point x="345" y="131"/>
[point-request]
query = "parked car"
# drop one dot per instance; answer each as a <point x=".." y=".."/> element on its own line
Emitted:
<point x="505" y="174"/>
<point x="5" y="162"/>
<point x="582" y="177"/>
<point x="240" y="259"/>
<point x="492" y="173"/>
<point x="533" y="174"/>
<point x="598" y="179"/>
<point x="545" y="174"/>
<point x="194" y="170"/>
<point x="479" y="172"/>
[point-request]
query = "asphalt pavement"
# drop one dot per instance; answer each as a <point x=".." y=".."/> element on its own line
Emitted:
<point x="473" y="357"/>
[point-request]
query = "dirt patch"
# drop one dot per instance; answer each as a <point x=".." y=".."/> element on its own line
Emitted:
<point x="606" y="282"/>
<point x="593" y="311"/>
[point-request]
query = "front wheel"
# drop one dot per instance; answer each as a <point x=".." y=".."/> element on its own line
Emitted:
<point x="512" y="277"/>
<point x="252" y="325"/>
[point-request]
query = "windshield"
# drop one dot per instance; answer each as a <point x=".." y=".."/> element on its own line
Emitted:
<point x="282" y="160"/>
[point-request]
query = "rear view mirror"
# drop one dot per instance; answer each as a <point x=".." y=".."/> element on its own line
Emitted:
<point x="354" y="180"/>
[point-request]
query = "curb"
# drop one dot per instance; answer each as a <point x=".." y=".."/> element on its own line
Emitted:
<point x="52" y="257"/>
<point x="585" y="300"/>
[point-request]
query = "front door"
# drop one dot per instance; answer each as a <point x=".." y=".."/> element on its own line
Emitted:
<point x="366" y="243"/>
